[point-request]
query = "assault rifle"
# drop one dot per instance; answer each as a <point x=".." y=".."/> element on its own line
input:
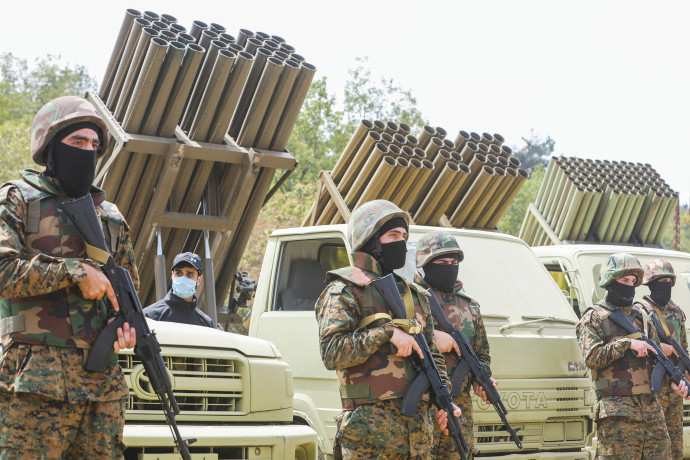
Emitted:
<point x="683" y="359"/>
<point x="83" y="214"/>
<point x="470" y="363"/>
<point x="662" y="365"/>
<point x="428" y="378"/>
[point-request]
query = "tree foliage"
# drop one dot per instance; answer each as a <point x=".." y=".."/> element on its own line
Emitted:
<point x="378" y="100"/>
<point x="536" y="150"/>
<point x="512" y="220"/>
<point x="323" y="130"/>
<point x="24" y="89"/>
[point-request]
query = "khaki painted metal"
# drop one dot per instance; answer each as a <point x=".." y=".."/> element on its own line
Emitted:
<point x="509" y="197"/>
<point x="420" y="179"/>
<point x="118" y="50"/>
<point x="436" y="195"/>
<point x="474" y="193"/>
<point x="383" y="174"/>
<point x="496" y="200"/>
<point x="425" y="135"/>
<point x="486" y="195"/>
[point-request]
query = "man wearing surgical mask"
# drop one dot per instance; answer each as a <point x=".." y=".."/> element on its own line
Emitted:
<point x="180" y="304"/>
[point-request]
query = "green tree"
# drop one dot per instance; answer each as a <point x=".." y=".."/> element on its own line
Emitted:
<point x="378" y="100"/>
<point x="536" y="150"/>
<point x="512" y="220"/>
<point x="24" y="89"/>
<point x="317" y="134"/>
<point x="322" y="130"/>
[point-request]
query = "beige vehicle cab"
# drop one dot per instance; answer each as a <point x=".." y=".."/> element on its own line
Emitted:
<point x="234" y="393"/>
<point x="575" y="267"/>
<point x="535" y="355"/>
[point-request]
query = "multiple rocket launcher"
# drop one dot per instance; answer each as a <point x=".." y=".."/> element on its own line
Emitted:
<point x="468" y="182"/>
<point x="599" y="200"/>
<point x="226" y="98"/>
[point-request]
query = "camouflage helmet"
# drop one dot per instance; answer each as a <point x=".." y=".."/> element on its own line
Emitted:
<point x="619" y="265"/>
<point x="366" y="220"/>
<point x="434" y="244"/>
<point x="59" y="114"/>
<point x="657" y="269"/>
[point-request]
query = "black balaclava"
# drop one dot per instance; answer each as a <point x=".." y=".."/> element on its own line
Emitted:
<point x="74" y="168"/>
<point x="442" y="277"/>
<point x="619" y="294"/>
<point x="391" y="256"/>
<point x="660" y="292"/>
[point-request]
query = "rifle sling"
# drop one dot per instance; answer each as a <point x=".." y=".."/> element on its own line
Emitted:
<point x="662" y="323"/>
<point x="97" y="254"/>
<point x="409" y="324"/>
<point x="619" y="318"/>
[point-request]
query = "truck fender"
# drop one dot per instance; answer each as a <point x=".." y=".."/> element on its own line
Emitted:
<point x="304" y="408"/>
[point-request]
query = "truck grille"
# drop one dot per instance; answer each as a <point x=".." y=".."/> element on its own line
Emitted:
<point x="199" y="384"/>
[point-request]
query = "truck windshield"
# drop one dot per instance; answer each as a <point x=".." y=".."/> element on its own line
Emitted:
<point x="500" y="273"/>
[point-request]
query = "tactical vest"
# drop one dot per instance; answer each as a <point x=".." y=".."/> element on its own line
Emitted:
<point x="63" y="317"/>
<point x="461" y="310"/>
<point x="384" y="375"/>
<point x="671" y="317"/>
<point x="629" y="375"/>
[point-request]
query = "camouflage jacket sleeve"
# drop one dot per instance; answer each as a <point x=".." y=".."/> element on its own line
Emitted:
<point x="342" y="343"/>
<point x="124" y="256"/>
<point x="439" y="359"/>
<point x="480" y="344"/>
<point x="21" y="275"/>
<point x="590" y="335"/>
<point x="684" y="339"/>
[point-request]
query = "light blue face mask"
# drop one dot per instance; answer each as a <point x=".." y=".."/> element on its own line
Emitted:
<point x="183" y="287"/>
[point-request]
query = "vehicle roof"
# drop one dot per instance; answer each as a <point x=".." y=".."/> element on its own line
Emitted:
<point x="342" y="228"/>
<point x="571" y="250"/>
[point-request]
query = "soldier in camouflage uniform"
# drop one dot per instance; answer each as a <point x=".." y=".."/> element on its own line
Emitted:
<point x="630" y="420"/>
<point x="53" y="304"/>
<point x="439" y="254"/>
<point x="356" y="332"/>
<point x="659" y="277"/>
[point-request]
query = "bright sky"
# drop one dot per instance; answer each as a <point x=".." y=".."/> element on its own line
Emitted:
<point x="605" y="79"/>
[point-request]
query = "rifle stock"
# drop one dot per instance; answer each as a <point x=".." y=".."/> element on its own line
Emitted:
<point x="470" y="363"/>
<point x="428" y="378"/>
<point x="83" y="215"/>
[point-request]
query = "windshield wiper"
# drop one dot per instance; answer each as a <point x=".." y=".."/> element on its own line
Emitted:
<point x="536" y="319"/>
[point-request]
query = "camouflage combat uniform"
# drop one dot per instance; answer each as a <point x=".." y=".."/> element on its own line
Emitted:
<point x="630" y="420"/>
<point x="50" y="406"/>
<point x="673" y="323"/>
<point x="372" y="379"/>
<point x="463" y="313"/>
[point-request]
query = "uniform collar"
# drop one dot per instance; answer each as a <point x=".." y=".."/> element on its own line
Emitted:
<point x="49" y="185"/>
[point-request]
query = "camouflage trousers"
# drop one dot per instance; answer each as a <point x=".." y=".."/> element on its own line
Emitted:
<point x="33" y="427"/>
<point x="627" y="439"/>
<point x="379" y="431"/>
<point x="444" y="447"/>
<point x="673" y="413"/>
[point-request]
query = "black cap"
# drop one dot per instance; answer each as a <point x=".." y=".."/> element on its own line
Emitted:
<point x="189" y="258"/>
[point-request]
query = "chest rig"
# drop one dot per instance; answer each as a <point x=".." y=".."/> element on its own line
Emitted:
<point x="62" y="317"/>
